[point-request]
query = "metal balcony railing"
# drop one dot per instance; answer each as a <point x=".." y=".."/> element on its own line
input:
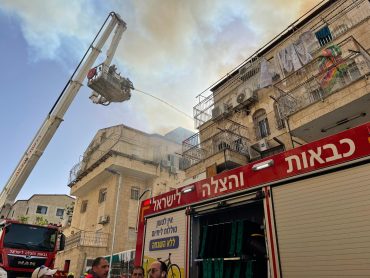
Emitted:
<point x="307" y="86"/>
<point x="340" y="20"/>
<point x="90" y="239"/>
<point x="214" y="139"/>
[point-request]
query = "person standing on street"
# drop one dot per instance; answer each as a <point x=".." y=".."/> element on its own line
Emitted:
<point x="158" y="269"/>
<point x="99" y="269"/>
<point x="138" y="272"/>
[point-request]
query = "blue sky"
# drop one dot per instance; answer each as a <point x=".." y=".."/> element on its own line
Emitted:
<point x="171" y="49"/>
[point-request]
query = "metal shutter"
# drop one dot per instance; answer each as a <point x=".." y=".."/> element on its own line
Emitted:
<point x="323" y="225"/>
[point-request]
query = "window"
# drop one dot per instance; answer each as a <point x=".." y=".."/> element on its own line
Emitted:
<point x="135" y="193"/>
<point x="263" y="128"/>
<point x="353" y="71"/>
<point x="88" y="264"/>
<point x="27" y="211"/>
<point x="223" y="146"/>
<point x="60" y="212"/>
<point x="35" y="238"/>
<point x="238" y="145"/>
<point x="41" y="209"/>
<point x="102" y="195"/>
<point x="261" y="124"/>
<point x="324" y="36"/>
<point x="83" y="206"/>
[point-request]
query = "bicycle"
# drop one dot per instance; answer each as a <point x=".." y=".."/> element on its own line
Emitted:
<point x="173" y="270"/>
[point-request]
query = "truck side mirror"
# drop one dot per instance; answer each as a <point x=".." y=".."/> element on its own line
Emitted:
<point x="62" y="242"/>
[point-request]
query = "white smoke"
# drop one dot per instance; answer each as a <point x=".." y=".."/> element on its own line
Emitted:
<point x="171" y="49"/>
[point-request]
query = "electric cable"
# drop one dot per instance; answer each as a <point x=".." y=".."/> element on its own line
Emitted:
<point x="165" y="102"/>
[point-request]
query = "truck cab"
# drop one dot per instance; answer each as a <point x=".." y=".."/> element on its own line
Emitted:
<point x="24" y="247"/>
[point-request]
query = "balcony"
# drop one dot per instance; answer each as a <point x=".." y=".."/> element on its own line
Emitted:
<point x="317" y="96"/>
<point x="214" y="139"/>
<point x="87" y="239"/>
<point x="202" y="112"/>
<point x="345" y="16"/>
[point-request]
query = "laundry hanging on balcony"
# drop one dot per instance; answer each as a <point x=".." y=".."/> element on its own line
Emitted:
<point x="331" y="66"/>
<point x="303" y="55"/>
<point x="309" y="41"/>
<point x="288" y="59"/>
<point x="266" y="73"/>
<point x="297" y="54"/>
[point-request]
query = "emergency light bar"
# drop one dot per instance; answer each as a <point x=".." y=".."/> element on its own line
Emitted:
<point x="263" y="165"/>
<point x="188" y="189"/>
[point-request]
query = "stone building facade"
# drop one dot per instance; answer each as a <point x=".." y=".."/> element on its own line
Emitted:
<point x="309" y="82"/>
<point x="120" y="165"/>
<point x="51" y="207"/>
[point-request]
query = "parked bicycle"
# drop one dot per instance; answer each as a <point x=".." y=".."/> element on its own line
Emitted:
<point x="173" y="270"/>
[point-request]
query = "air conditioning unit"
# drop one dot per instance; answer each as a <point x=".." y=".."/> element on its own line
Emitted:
<point x="218" y="111"/>
<point x="263" y="144"/>
<point x="104" y="219"/>
<point x="245" y="96"/>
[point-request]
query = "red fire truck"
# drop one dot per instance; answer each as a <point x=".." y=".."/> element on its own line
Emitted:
<point x="24" y="247"/>
<point x="301" y="213"/>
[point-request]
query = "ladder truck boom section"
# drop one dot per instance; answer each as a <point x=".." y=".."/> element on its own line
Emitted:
<point x="55" y="116"/>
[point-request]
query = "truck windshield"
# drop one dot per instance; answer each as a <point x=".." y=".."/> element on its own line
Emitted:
<point x="30" y="237"/>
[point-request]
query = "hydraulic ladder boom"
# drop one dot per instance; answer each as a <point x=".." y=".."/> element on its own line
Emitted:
<point x="55" y="116"/>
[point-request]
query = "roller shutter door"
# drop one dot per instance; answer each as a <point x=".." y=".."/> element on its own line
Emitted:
<point x="323" y="225"/>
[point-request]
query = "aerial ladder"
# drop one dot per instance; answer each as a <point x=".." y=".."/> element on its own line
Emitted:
<point x="107" y="85"/>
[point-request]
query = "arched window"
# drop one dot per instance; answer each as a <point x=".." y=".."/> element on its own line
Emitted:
<point x="261" y="123"/>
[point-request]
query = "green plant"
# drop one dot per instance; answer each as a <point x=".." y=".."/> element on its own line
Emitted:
<point x="40" y="220"/>
<point x="23" y="219"/>
<point x="69" y="212"/>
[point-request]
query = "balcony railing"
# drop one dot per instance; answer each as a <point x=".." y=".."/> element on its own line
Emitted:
<point x="308" y="85"/>
<point x="339" y="21"/>
<point x="215" y="139"/>
<point x="90" y="239"/>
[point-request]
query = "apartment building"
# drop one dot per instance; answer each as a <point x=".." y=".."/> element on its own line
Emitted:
<point x="48" y="207"/>
<point x="309" y="82"/>
<point x="120" y="166"/>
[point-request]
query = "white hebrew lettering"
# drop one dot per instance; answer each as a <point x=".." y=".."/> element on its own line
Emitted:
<point x="290" y="160"/>
<point x="215" y="184"/>
<point x="208" y="187"/>
<point x="169" y="200"/>
<point x="304" y="160"/>
<point x="351" y="145"/>
<point x="157" y="204"/>
<point x="236" y="181"/>
<point x="334" y="149"/>
<point x="223" y="184"/>
<point x="315" y="156"/>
